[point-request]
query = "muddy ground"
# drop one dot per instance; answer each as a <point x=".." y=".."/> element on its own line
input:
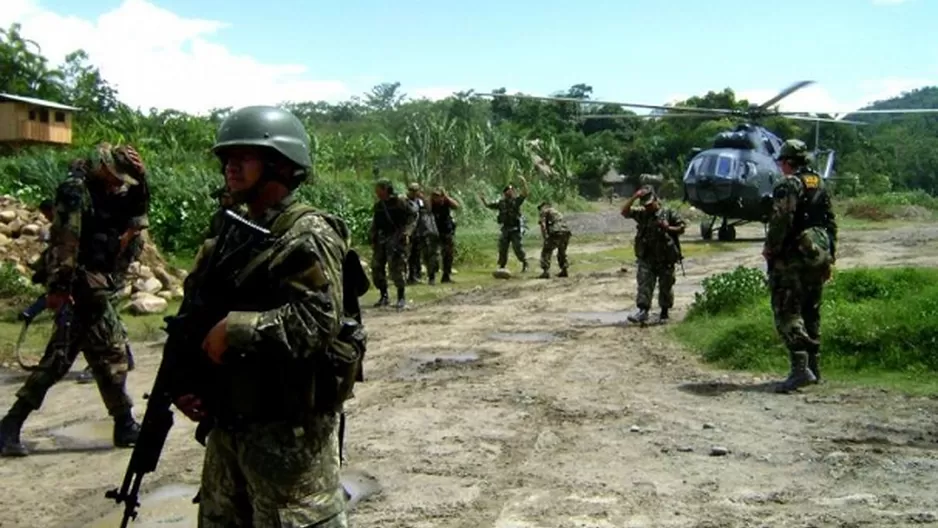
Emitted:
<point x="532" y="404"/>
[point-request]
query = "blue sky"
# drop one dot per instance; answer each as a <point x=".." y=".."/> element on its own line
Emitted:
<point x="640" y="50"/>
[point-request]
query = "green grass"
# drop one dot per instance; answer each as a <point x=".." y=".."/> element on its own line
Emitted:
<point x="878" y="326"/>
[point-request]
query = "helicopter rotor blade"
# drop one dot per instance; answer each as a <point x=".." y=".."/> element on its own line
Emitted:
<point x="895" y="111"/>
<point x="719" y="111"/>
<point x="783" y="94"/>
<point x="823" y="120"/>
<point x="648" y="116"/>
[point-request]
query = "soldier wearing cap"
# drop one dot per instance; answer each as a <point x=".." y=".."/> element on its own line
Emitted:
<point x="100" y="209"/>
<point x="392" y="224"/>
<point x="425" y="240"/>
<point x="800" y="249"/>
<point x="656" y="250"/>
<point x="512" y="222"/>
<point x="442" y="206"/>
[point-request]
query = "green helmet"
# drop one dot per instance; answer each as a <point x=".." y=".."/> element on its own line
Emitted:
<point x="266" y="126"/>
<point x="793" y="149"/>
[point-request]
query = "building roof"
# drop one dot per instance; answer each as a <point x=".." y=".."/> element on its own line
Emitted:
<point x="38" y="102"/>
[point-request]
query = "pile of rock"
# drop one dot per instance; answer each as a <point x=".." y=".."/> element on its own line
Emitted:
<point x="151" y="283"/>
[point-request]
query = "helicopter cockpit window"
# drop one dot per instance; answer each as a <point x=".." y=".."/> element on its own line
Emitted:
<point x="750" y="170"/>
<point x="725" y="166"/>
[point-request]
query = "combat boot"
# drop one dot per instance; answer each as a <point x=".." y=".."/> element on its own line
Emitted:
<point x="126" y="430"/>
<point x="663" y="316"/>
<point x="10" y="427"/>
<point x="563" y="273"/>
<point x="383" y="301"/>
<point x="85" y="376"/>
<point x="446" y="279"/>
<point x="524" y="266"/>
<point x="544" y="275"/>
<point x="431" y="279"/>
<point x="640" y="316"/>
<point x="401" y="301"/>
<point x="799" y="376"/>
<point x="813" y="365"/>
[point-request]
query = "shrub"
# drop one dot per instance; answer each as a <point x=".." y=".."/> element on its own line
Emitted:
<point x="726" y="293"/>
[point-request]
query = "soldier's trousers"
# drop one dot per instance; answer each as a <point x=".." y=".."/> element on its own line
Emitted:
<point x="391" y="255"/>
<point x="649" y="273"/>
<point x="514" y="238"/>
<point x="558" y="241"/>
<point x="796" y="305"/>
<point x="95" y="330"/>
<point x="446" y="249"/>
<point x="423" y="249"/>
<point x="273" y="475"/>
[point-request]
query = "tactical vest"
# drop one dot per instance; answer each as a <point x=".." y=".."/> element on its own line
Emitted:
<point x="102" y="225"/>
<point x="443" y="217"/>
<point x="813" y="208"/>
<point x="272" y="386"/>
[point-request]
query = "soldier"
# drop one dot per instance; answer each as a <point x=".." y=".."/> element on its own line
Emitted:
<point x="556" y="235"/>
<point x="272" y="455"/>
<point x="800" y="249"/>
<point x="512" y="223"/>
<point x="656" y="250"/>
<point x="392" y="224"/>
<point x="442" y="205"/>
<point x="93" y="224"/>
<point x="425" y="240"/>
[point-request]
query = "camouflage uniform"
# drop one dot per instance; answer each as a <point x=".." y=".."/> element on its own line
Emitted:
<point x="441" y="206"/>
<point x="425" y="242"/>
<point x="800" y="248"/>
<point x="556" y="236"/>
<point x="656" y="252"/>
<point x="512" y="225"/>
<point x="81" y="259"/>
<point x="272" y="458"/>
<point x="393" y="222"/>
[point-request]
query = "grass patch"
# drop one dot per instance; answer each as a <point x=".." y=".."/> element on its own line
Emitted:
<point x="877" y="326"/>
<point x="887" y="208"/>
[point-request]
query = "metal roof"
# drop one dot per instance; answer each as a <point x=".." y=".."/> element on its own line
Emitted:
<point x="38" y="102"/>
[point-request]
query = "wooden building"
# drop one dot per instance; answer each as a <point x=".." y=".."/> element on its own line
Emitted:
<point x="26" y="121"/>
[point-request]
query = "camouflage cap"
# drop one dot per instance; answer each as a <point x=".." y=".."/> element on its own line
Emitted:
<point x="104" y="156"/>
<point x="793" y="149"/>
<point x="439" y="191"/>
<point x="413" y="187"/>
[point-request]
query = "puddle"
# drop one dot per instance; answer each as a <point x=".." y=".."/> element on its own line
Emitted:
<point x="603" y="318"/>
<point x="524" y="337"/>
<point x="167" y="506"/>
<point x="171" y="506"/>
<point x="83" y="436"/>
<point x="413" y="366"/>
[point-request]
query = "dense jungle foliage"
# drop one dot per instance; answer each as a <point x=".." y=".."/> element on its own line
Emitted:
<point x="467" y="144"/>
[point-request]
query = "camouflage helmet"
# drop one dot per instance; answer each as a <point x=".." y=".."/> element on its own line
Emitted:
<point x="649" y="195"/>
<point x="793" y="149"/>
<point x="266" y="126"/>
<point x="415" y="187"/>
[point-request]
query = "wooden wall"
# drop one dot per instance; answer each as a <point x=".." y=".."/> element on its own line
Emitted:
<point x="20" y="122"/>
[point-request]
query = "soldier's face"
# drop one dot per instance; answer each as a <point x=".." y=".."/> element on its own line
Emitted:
<point x="243" y="168"/>
<point x="785" y="167"/>
<point x="510" y="192"/>
<point x="411" y="194"/>
<point x="381" y="192"/>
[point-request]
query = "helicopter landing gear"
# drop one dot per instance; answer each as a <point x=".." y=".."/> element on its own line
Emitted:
<point x="706" y="228"/>
<point x="726" y="233"/>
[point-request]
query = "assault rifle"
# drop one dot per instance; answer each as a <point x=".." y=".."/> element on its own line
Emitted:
<point x="63" y="322"/>
<point x="185" y="332"/>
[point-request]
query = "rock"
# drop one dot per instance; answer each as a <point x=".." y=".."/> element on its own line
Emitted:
<point x="150" y="285"/>
<point x="179" y="292"/>
<point x="7" y="216"/>
<point x="685" y="449"/>
<point x="147" y="304"/>
<point x="30" y="230"/>
<point x="165" y="294"/>
<point x="167" y="280"/>
<point x="4" y="240"/>
<point x="635" y="429"/>
<point x="709" y="426"/>
<point x="144" y="272"/>
<point x="501" y="273"/>
<point x="15" y="227"/>
<point x="719" y="451"/>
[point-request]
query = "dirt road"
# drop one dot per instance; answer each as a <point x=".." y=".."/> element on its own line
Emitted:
<point x="532" y="405"/>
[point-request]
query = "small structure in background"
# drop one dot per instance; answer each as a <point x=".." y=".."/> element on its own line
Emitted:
<point x="622" y="186"/>
<point x="30" y="121"/>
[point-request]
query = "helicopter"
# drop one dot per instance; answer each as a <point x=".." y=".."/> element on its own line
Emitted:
<point x="734" y="177"/>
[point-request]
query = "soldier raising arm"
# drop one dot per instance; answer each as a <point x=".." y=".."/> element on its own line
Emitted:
<point x="510" y="219"/>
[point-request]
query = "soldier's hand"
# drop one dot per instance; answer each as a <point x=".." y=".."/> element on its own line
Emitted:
<point x="191" y="406"/>
<point x="639" y="192"/>
<point x="54" y="301"/>
<point x="216" y="341"/>
<point x="664" y="225"/>
<point x="827" y="273"/>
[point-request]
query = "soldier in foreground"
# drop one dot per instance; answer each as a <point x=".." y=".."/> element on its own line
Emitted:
<point x="511" y="221"/>
<point x="556" y="235"/>
<point x="268" y="387"/>
<point x="425" y="240"/>
<point x="392" y="224"/>
<point x="225" y="203"/>
<point x="94" y="223"/>
<point x="800" y="249"/>
<point x="656" y="250"/>
<point x="442" y="206"/>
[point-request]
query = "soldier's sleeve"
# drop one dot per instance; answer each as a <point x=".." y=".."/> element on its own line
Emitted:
<point x="413" y="214"/>
<point x="493" y="205"/>
<point x="311" y="270"/>
<point x="784" y="202"/>
<point x="65" y="235"/>
<point x="633" y="213"/>
<point x="677" y="220"/>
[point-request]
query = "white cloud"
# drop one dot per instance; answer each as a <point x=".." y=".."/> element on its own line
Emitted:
<point x="156" y="58"/>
